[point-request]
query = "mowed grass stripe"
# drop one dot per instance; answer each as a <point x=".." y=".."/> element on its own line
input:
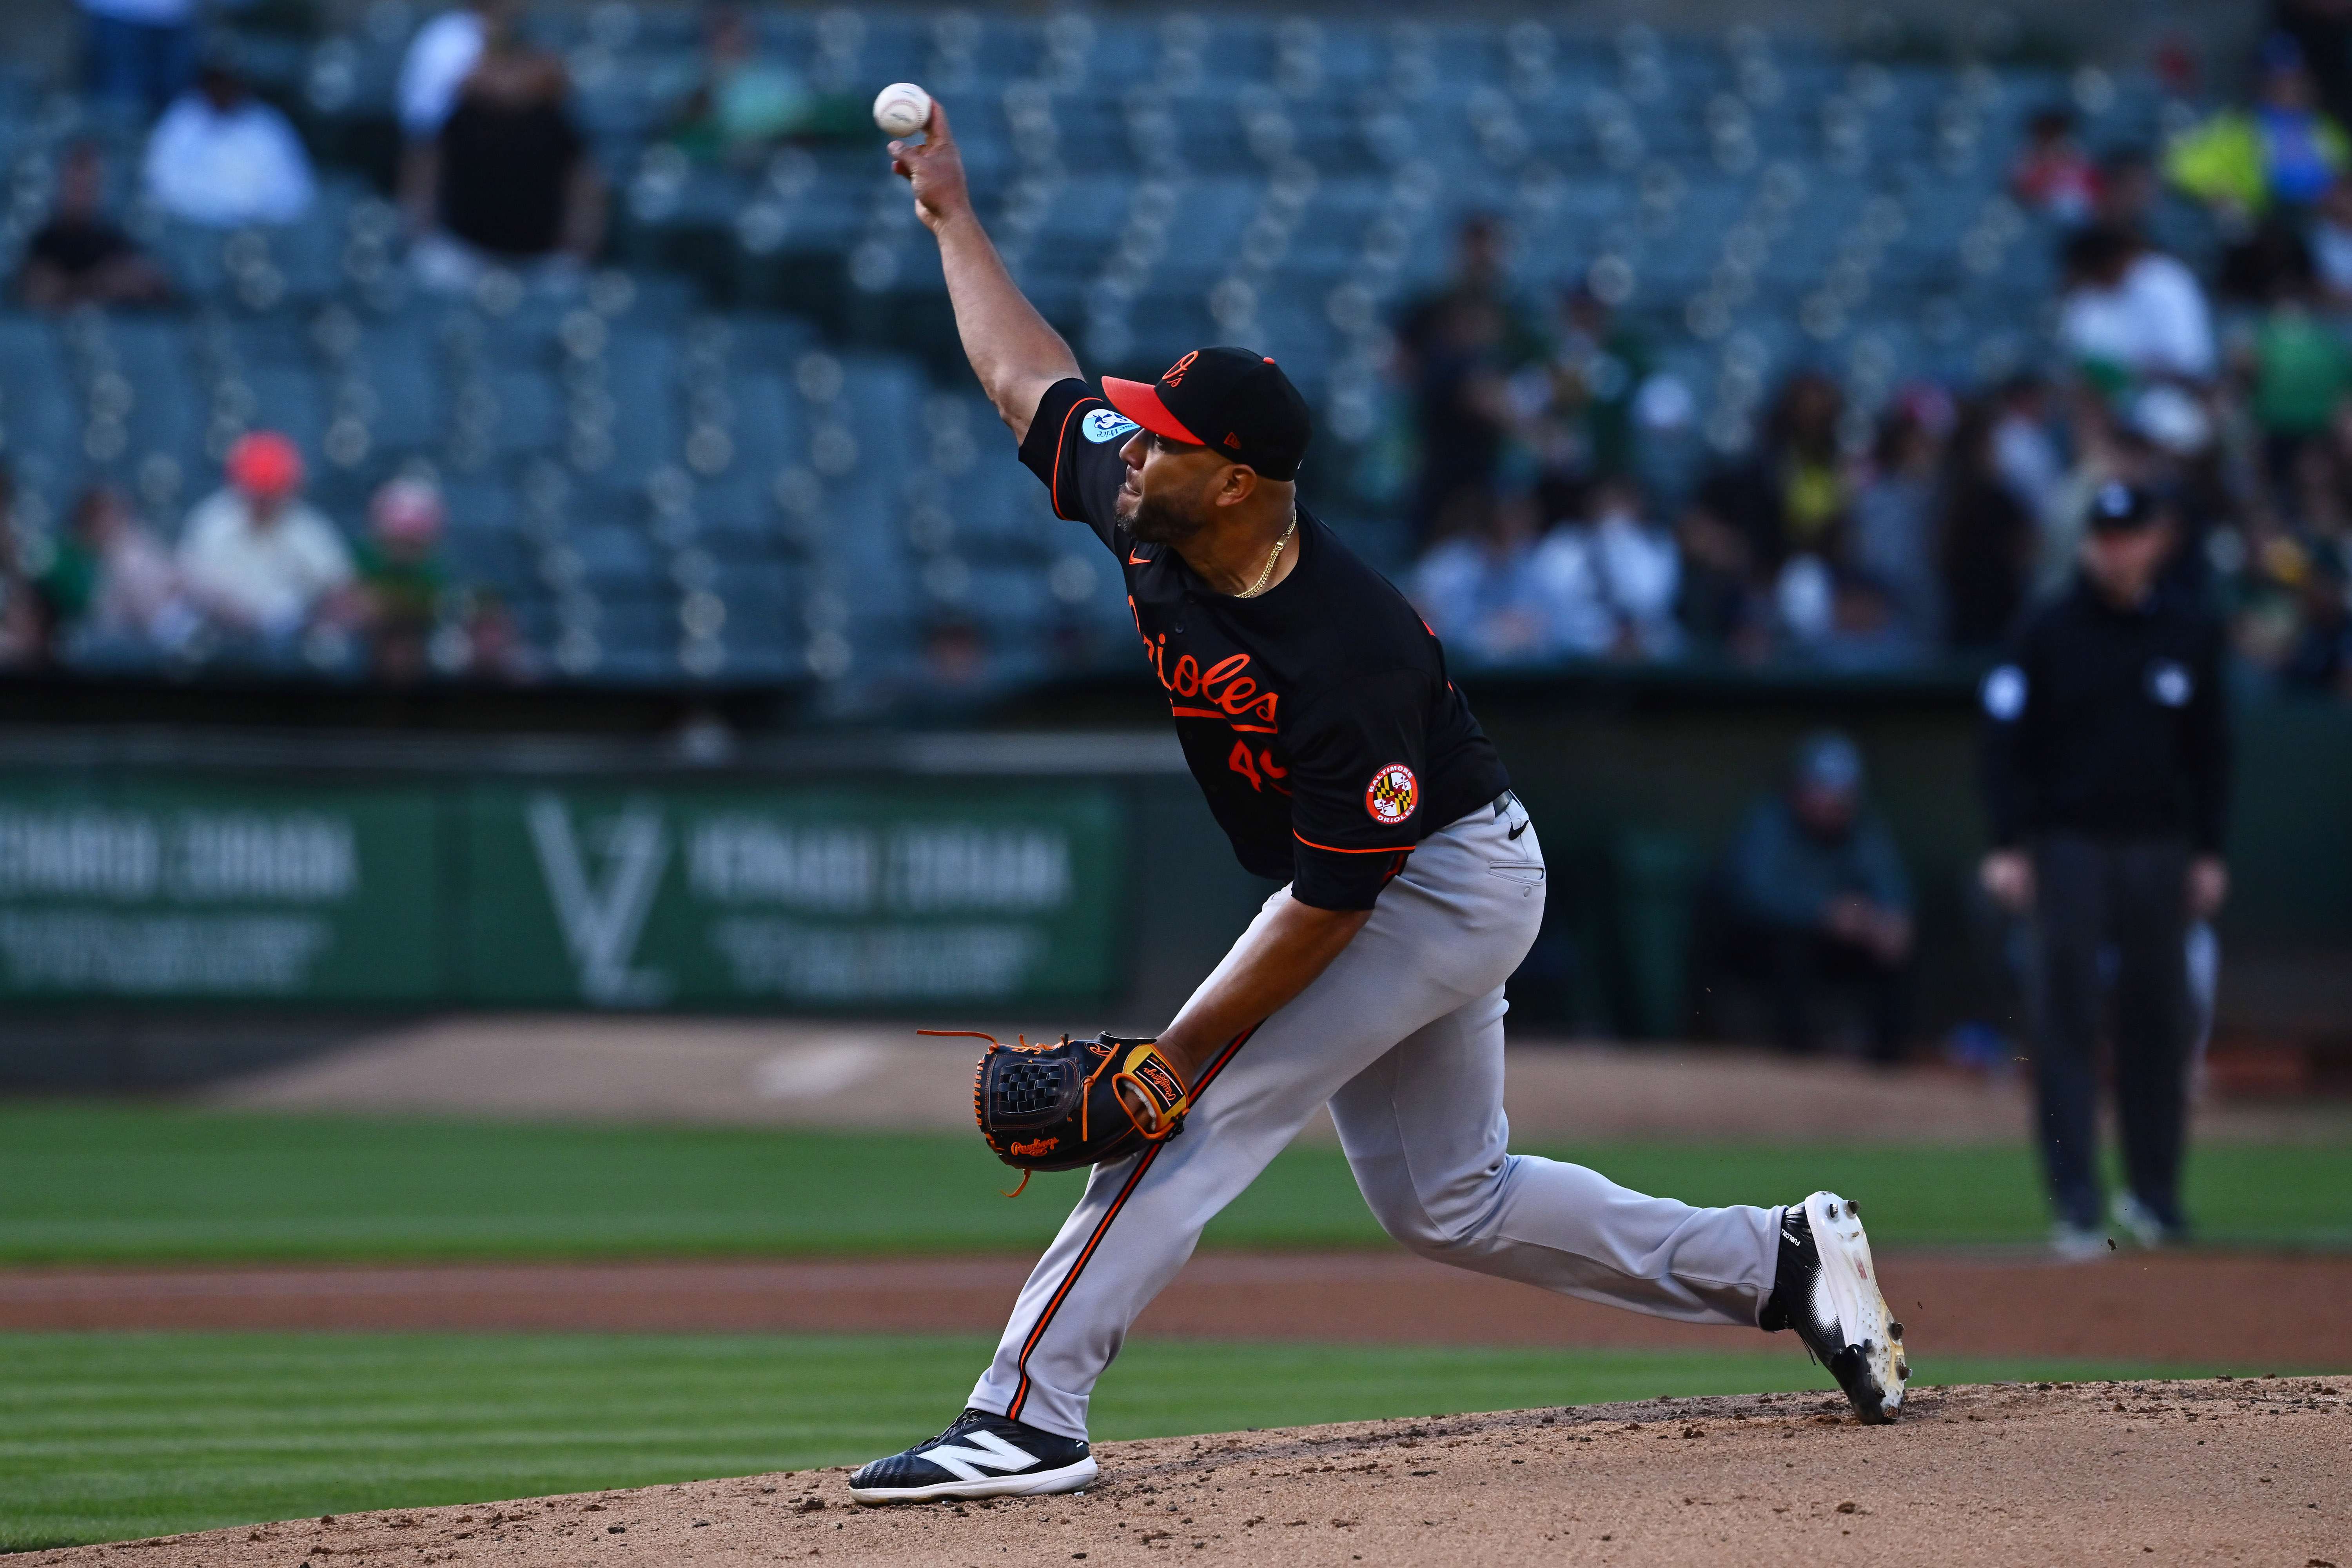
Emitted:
<point x="108" y="1436"/>
<point x="102" y="1182"/>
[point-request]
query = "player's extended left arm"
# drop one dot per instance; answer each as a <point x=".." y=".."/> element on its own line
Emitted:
<point x="1276" y="960"/>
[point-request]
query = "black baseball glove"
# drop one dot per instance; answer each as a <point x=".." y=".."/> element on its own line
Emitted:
<point x="1058" y="1107"/>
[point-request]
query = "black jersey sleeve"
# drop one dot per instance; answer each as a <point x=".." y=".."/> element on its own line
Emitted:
<point x="1072" y="445"/>
<point x="1358" y="762"/>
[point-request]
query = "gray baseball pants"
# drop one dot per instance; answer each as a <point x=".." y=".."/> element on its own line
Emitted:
<point x="1402" y="1037"/>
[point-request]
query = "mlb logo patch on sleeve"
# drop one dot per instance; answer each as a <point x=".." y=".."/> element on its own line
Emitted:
<point x="1392" y="794"/>
<point x="1107" y="424"/>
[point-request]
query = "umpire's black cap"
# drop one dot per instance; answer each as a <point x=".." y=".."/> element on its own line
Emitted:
<point x="1239" y="403"/>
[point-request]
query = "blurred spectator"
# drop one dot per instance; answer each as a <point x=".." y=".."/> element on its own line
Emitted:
<point x="1475" y="590"/>
<point x="2054" y="175"/>
<point x="1986" y="538"/>
<point x="955" y="656"/>
<point x="741" y="104"/>
<point x="439" y="59"/>
<point x="1751" y="518"/>
<point x="401" y="578"/>
<point x="1458" y="349"/>
<point x="115" y="585"/>
<point x="256" y="561"/>
<point x="2285" y="151"/>
<point x="2130" y="192"/>
<point x="2320" y="658"/>
<point x="2107" y="778"/>
<point x="2133" y="313"/>
<point x="1891" y="538"/>
<point x="1827" y="613"/>
<point x="24" y="615"/>
<point x="2330" y="238"/>
<point x="1814" y="892"/>
<point x="138" y="52"/>
<point x="495" y="648"/>
<point x="1581" y="403"/>
<point x="2299" y="370"/>
<point x="223" y="158"/>
<point x="81" y="257"/>
<point x="509" y="180"/>
<point x="1606" y="587"/>
<point x="2025" y="448"/>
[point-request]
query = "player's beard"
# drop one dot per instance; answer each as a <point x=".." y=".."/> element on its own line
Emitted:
<point x="1158" y="520"/>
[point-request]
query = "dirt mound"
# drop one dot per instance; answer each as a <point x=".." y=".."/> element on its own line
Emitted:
<point x="779" y="1072"/>
<point x="2246" y="1471"/>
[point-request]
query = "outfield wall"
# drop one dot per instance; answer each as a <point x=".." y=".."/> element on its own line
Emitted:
<point x="147" y="870"/>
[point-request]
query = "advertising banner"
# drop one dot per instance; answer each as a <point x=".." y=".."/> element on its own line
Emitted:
<point x="139" y="888"/>
<point x="735" y="897"/>
<point x="791" y="898"/>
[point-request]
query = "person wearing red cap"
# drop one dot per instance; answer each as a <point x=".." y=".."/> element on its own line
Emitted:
<point x="258" y="561"/>
<point x="1315" y="712"/>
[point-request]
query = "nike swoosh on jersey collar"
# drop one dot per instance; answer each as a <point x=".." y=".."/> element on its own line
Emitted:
<point x="1135" y="560"/>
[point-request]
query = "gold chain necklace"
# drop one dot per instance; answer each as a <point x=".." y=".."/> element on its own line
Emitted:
<point x="1263" y="577"/>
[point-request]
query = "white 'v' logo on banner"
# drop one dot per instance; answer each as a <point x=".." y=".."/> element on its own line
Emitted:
<point x="602" y="922"/>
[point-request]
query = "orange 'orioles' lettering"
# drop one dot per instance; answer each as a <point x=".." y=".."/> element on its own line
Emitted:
<point x="1240" y="698"/>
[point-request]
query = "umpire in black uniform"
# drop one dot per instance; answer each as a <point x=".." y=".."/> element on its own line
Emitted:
<point x="2106" y="775"/>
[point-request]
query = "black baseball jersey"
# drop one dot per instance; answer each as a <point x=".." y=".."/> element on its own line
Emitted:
<point x="2110" y="722"/>
<point x="1317" y="717"/>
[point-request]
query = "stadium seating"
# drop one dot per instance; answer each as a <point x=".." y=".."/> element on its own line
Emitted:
<point x="665" y="484"/>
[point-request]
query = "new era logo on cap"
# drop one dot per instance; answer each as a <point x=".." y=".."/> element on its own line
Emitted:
<point x="1244" y="395"/>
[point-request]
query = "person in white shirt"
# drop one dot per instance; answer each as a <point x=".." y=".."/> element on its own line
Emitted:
<point x="255" y="559"/>
<point x="439" y="59"/>
<point x="1607" y="586"/>
<point x="223" y="158"/>
<point x="1474" y="590"/>
<point x="2135" y="311"/>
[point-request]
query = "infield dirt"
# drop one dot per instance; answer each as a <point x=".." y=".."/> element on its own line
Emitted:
<point x="2249" y="1471"/>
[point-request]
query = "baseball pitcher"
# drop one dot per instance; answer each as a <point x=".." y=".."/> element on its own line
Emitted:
<point x="1314" y="712"/>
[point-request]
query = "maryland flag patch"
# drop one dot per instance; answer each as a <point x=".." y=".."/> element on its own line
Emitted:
<point x="1392" y="794"/>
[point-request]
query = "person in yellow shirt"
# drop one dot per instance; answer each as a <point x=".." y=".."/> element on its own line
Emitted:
<point x="2283" y="152"/>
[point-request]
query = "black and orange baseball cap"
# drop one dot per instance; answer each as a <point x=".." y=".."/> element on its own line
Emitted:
<point x="1229" y="400"/>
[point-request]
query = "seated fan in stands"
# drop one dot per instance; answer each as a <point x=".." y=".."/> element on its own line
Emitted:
<point x="508" y="181"/>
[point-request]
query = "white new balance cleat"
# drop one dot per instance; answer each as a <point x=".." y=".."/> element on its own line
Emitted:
<point x="1827" y="1289"/>
<point x="980" y="1456"/>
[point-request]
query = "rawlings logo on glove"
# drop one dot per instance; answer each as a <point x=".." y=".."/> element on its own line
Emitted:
<point x="1059" y="1107"/>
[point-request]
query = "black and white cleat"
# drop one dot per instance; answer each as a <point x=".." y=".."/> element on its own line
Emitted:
<point x="980" y="1456"/>
<point x="1827" y="1289"/>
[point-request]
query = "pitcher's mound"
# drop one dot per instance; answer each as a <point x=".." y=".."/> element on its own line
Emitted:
<point x="2252" y="1471"/>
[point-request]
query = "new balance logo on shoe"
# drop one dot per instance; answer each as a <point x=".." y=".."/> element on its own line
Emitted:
<point x="990" y="1452"/>
<point x="980" y="1456"/>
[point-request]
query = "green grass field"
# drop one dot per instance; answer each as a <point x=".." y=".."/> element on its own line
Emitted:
<point x="108" y="1436"/>
<point x="91" y="1182"/>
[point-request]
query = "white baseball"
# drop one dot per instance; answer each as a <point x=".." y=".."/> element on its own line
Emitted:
<point x="902" y="109"/>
